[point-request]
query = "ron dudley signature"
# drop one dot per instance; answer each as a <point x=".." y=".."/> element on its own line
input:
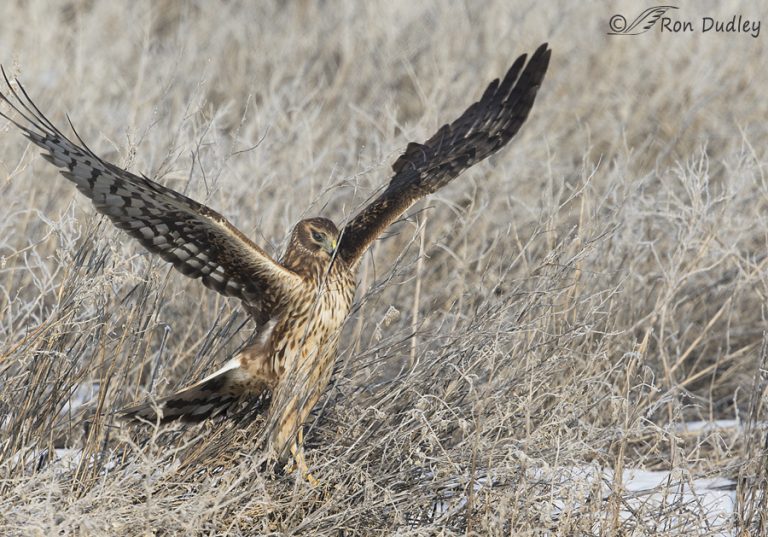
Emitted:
<point x="736" y="24"/>
<point x="659" y="16"/>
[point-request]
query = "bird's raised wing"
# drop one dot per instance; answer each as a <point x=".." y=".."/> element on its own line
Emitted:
<point x="198" y="241"/>
<point x="480" y="131"/>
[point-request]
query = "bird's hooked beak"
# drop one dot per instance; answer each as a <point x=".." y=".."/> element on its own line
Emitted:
<point x="330" y="245"/>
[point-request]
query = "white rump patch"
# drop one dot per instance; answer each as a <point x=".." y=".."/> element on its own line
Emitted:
<point x="234" y="363"/>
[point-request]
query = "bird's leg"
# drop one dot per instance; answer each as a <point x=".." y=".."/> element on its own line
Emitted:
<point x="299" y="462"/>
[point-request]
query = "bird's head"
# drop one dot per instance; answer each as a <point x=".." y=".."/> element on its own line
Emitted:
<point x="318" y="236"/>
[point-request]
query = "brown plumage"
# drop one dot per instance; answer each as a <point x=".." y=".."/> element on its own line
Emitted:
<point x="300" y="303"/>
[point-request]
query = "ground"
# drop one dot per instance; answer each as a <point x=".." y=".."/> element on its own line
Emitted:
<point x="568" y="340"/>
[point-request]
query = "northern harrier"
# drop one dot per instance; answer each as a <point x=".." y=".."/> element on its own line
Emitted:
<point x="299" y="303"/>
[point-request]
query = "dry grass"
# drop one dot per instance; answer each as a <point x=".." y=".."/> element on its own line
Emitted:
<point x="580" y="296"/>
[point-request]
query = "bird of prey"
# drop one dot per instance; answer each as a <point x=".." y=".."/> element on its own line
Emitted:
<point x="300" y="302"/>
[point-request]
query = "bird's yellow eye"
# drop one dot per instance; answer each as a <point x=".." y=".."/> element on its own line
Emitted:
<point x="317" y="237"/>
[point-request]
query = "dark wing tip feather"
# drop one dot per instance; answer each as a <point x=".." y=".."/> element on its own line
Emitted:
<point x="31" y="113"/>
<point x="511" y="77"/>
<point x="83" y="145"/>
<point x="490" y="92"/>
<point x="4" y="98"/>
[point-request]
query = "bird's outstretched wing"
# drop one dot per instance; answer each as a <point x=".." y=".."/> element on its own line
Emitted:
<point x="198" y="241"/>
<point x="480" y="131"/>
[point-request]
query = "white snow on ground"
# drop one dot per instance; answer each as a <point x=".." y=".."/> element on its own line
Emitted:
<point x="682" y="501"/>
<point x="717" y="425"/>
<point x="66" y="460"/>
<point x="82" y="395"/>
<point x="446" y="505"/>
<point x="651" y="500"/>
<point x="61" y="460"/>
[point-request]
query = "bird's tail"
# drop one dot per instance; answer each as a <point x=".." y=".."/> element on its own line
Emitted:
<point x="207" y="398"/>
<point x="247" y="374"/>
